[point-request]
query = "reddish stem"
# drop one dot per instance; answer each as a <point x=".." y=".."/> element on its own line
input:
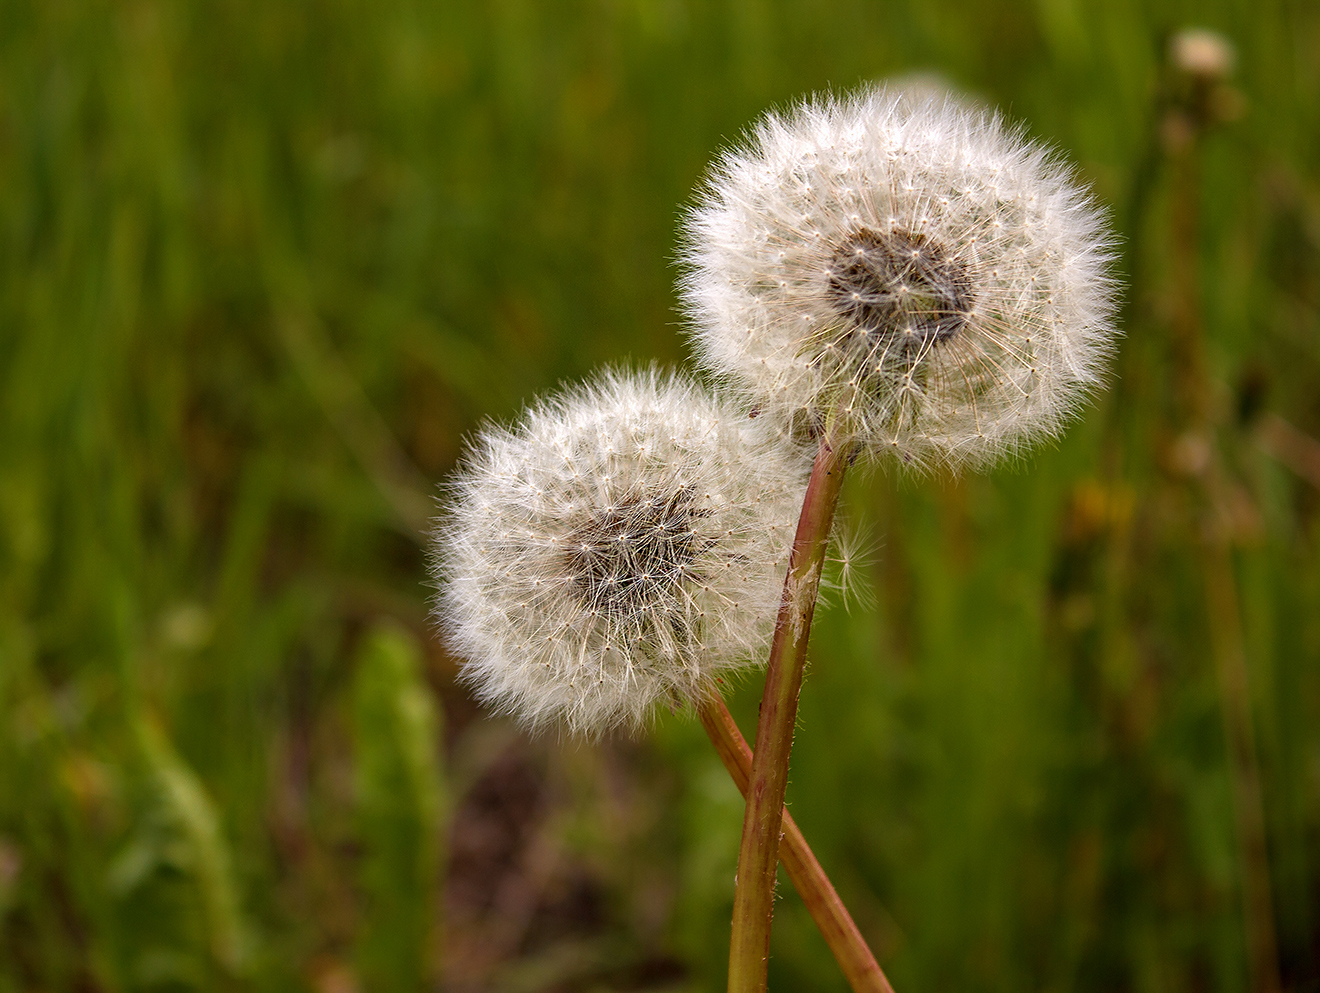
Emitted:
<point x="827" y="910"/>
<point x="758" y="858"/>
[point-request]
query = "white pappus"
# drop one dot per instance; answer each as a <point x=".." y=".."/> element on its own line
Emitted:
<point x="621" y="545"/>
<point x="906" y="270"/>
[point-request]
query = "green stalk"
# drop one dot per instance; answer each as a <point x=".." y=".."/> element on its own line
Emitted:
<point x="1185" y="127"/>
<point x="758" y="857"/>
<point x="818" y="894"/>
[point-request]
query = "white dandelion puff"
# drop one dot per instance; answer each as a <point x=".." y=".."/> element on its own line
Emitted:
<point x="1205" y="54"/>
<point x="907" y="268"/>
<point x="621" y="545"/>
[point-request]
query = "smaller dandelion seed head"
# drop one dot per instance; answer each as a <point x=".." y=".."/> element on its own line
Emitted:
<point x="1202" y="53"/>
<point x="581" y="599"/>
<point x="949" y="300"/>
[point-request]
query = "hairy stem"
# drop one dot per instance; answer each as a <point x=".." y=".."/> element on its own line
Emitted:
<point x="827" y="910"/>
<point x="758" y="857"/>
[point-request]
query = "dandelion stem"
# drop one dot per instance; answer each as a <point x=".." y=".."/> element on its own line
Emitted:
<point x="827" y="910"/>
<point x="1185" y="126"/>
<point x="758" y="857"/>
<point x="1244" y="767"/>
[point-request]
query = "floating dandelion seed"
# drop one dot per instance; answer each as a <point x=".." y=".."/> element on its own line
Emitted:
<point x="622" y="545"/>
<point x="903" y="266"/>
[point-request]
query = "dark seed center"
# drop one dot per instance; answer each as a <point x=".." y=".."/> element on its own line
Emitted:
<point x="901" y="286"/>
<point x="633" y="555"/>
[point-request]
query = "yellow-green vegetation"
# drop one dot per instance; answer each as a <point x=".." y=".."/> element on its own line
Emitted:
<point x="262" y="265"/>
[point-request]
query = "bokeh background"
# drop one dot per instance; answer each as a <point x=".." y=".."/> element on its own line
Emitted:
<point x="263" y="265"/>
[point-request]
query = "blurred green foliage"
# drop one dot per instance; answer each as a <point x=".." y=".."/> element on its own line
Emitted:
<point x="263" y="264"/>
<point x="399" y="797"/>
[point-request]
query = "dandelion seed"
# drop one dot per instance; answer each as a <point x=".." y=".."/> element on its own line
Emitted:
<point x="653" y="564"/>
<point x="949" y="303"/>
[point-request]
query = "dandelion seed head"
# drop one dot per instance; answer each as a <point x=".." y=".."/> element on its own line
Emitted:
<point x="1202" y="53"/>
<point x="618" y="547"/>
<point x="905" y="264"/>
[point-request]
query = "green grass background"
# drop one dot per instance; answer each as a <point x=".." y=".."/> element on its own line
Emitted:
<point x="263" y="264"/>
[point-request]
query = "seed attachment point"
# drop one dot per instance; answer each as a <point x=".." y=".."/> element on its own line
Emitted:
<point x="899" y="286"/>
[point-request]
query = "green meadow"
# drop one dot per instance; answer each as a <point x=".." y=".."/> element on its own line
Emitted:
<point x="264" y="265"/>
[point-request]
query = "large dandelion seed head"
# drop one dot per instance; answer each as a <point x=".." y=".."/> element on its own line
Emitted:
<point x="620" y="546"/>
<point x="903" y="268"/>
